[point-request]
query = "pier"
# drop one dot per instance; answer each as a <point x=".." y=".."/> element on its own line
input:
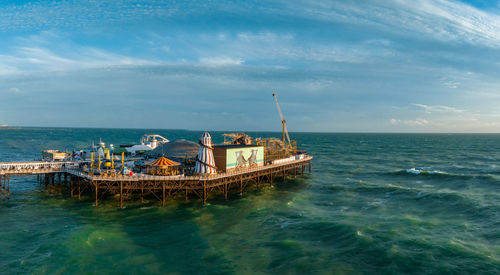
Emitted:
<point x="79" y="182"/>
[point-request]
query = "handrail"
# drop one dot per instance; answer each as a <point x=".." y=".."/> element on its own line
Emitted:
<point x="240" y="171"/>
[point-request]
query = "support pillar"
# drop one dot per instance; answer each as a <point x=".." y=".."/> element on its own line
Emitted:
<point x="310" y="168"/>
<point x="121" y="194"/>
<point x="96" y="193"/>
<point x="142" y="193"/>
<point x="79" y="192"/>
<point x="204" y="192"/>
<point x="241" y="185"/>
<point x="186" y="194"/>
<point x="284" y="174"/>
<point x="8" y="187"/>
<point x="163" y="198"/>
<point x="271" y="178"/>
<point x="258" y="182"/>
<point x="225" y="191"/>
<point x="52" y="183"/>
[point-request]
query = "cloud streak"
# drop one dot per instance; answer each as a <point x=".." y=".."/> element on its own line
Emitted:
<point x="429" y="109"/>
<point x="339" y="66"/>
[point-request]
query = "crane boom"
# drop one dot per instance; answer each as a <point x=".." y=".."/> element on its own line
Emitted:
<point x="285" y="131"/>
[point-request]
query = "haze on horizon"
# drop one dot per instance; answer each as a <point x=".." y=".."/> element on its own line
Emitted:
<point x="341" y="66"/>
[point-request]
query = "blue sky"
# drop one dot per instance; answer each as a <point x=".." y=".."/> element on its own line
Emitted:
<point x="346" y="66"/>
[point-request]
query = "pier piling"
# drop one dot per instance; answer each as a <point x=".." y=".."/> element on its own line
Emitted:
<point x="163" y="198"/>
<point x="96" y="193"/>
<point x="121" y="194"/>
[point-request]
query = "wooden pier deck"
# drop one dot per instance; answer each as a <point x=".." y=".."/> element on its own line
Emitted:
<point x="159" y="187"/>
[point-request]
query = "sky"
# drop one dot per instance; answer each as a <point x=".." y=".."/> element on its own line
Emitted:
<point x="337" y="66"/>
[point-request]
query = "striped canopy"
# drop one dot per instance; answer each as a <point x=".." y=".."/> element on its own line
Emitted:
<point x="163" y="161"/>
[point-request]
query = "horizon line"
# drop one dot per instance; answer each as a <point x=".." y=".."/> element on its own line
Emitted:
<point x="9" y="127"/>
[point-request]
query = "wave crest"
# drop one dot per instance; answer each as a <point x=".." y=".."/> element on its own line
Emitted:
<point x="425" y="172"/>
<point x="431" y="173"/>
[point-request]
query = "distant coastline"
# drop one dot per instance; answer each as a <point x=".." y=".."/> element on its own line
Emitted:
<point x="9" y="128"/>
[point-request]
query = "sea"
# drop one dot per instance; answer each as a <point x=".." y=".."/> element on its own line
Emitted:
<point x="374" y="203"/>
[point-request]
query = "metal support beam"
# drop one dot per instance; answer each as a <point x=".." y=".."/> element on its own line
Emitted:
<point x="163" y="200"/>
<point x="241" y="185"/>
<point x="142" y="193"/>
<point x="225" y="191"/>
<point x="121" y="194"/>
<point x="204" y="192"/>
<point x="96" y="193"/>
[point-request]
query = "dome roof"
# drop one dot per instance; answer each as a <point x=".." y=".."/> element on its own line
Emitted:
<point x="178" y="149"/>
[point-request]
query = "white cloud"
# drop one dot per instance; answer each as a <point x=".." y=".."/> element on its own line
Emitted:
<point x="221" y="61"/>
<point x="438" y="108"/>
<point x="410" y="122"/>
<point x="442" y="20"/>
<point x="15" y="90"/>
<point x="441" y="118"/>
<point x="26" y="59"/>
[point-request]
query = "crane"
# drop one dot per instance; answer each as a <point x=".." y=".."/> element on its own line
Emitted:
<point x="285" y="131"/>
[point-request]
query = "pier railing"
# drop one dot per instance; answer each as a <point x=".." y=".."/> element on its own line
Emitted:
<point x="32" y="167"/>
<point x="145" y="177"/>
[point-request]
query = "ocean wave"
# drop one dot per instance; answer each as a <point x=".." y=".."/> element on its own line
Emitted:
<point x="431" y="173"/>
<point x="424" y="172"/>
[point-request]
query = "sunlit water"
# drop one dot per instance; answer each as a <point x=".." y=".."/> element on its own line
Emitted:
<point x="374" y="203"/>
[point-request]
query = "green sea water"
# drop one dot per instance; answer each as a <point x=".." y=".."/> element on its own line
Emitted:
<point x="375" y="203"/>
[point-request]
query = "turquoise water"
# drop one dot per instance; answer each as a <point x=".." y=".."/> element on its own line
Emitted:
<point x="375" y="203"/>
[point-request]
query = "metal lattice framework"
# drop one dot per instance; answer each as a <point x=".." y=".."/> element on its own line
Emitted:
<point x="161" y="188"/>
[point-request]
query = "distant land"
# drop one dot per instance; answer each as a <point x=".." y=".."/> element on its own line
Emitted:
<point x="7" y="127"/>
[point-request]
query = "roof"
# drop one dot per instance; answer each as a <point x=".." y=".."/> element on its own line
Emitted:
<point x="138" y="147"/>
<point x="177" y="149"/>
<point x="163" y="161"/>
<point x="236" y="146"/>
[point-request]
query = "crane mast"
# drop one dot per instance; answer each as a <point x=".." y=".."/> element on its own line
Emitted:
<point x="285" y="131"/>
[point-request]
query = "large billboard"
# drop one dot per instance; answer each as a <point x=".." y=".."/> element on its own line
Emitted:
<point x="244" y="157"/>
